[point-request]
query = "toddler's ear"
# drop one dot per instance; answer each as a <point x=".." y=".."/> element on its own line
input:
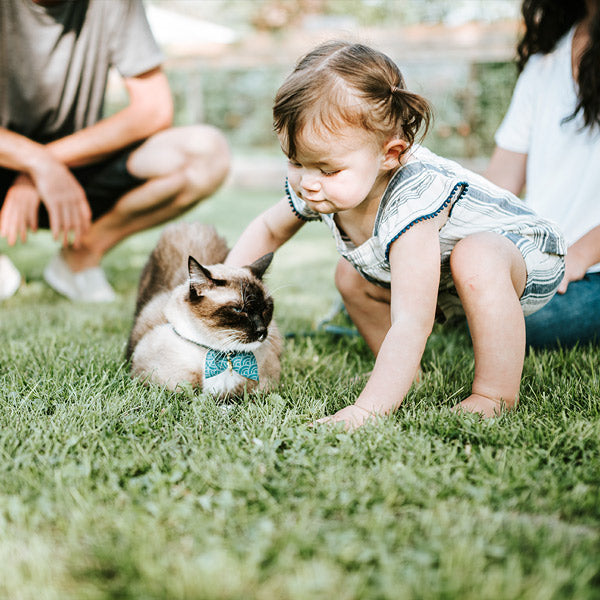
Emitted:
<point x="393" y="151"/>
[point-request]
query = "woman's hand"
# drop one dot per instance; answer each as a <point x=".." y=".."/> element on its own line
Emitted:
<point x="576" y="266"/>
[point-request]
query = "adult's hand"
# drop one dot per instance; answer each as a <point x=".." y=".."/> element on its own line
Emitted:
<point x="581" y="255"/>
<point x="65" y="201"/>
<point x="54" y="184"/>
<point x="20" y="210"/>
<point x="576" y="266"/>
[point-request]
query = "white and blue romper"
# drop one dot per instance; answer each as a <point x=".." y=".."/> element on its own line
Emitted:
<point x="421" y="189"/>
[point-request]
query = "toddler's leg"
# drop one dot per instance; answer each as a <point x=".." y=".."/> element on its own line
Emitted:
<point x="490" y="275"/>
<point x="367" y="304"/>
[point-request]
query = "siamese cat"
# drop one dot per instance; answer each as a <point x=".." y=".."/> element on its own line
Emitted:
<point x="201" y="322"/>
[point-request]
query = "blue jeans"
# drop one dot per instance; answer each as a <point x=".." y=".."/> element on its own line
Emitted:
<point x="570" y="318"/>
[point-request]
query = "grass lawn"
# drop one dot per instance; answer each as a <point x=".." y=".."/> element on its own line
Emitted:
<point x="112" y="490"/>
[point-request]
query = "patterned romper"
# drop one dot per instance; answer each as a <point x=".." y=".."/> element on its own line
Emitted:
<point x="423" y="188"/>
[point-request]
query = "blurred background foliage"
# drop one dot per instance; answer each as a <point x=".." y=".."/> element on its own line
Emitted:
<point x="239" y="102"/>
<point x="457" y="53"/>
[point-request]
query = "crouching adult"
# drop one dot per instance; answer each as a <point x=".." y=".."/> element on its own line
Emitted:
<point x="92" y="180"/>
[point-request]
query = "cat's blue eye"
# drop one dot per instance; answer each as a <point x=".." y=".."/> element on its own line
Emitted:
<point x="236" y="309"/>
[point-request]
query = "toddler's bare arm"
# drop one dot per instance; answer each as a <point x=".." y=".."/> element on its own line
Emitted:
<point x="264" y="234"/>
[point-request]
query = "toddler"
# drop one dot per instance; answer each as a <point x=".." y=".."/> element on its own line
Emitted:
<point x="415" y="232"/>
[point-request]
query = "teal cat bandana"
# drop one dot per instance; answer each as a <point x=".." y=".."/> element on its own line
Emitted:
<point x="217" y="361"/>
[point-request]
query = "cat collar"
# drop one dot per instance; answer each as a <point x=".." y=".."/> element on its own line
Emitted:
<point x="219" y="361"/>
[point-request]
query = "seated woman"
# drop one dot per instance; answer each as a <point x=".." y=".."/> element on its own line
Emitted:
<point x="550" y="142"/>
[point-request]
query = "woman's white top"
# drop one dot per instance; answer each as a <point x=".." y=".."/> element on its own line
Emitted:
<point x="563" y="158"/>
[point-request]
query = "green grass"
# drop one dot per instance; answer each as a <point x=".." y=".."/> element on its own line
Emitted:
<point x="109" y="489"/>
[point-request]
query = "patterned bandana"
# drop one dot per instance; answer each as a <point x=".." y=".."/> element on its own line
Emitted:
<point x="243" y="363"/>
<point x="218" y="361"/>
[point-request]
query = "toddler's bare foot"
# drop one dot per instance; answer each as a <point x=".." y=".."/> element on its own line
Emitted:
<point x="486" y="407"/>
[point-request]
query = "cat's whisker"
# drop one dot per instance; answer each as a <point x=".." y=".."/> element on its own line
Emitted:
<point x="232" y="334"/>
<point x="230" y="339"/>
<point x="281" y="287"/>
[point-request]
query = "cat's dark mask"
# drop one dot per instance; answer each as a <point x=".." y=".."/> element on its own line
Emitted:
<point x="240" y="303"/>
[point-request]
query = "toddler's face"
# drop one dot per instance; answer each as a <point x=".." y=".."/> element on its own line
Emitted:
<point x="334" y="172"/>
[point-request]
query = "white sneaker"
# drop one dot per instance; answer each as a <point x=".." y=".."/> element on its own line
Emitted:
<point x="10" y="278"/>
<point x="89" y="285"/>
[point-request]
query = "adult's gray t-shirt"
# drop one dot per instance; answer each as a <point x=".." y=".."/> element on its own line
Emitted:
<point x="54" y="61"/>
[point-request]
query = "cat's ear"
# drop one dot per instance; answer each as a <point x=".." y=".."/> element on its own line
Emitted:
<point x="199" y="277"/>
<point x="258" y="267"/>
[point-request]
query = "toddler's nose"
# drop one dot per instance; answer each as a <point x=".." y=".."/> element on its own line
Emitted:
<point x="310" y="182"/>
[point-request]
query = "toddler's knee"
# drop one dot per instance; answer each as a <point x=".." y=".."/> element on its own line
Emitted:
<point x="471" y="263"/>
<point x="463" y="261"/>
<point x="355" y="289"/>
<point x="347" y="280"/>
<point x="487" y="261"/>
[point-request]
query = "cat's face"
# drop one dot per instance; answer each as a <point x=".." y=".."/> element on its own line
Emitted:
<point x="232" y="302"/>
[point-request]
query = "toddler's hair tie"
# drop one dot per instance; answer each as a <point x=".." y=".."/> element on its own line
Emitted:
<point x="394" y="89"/>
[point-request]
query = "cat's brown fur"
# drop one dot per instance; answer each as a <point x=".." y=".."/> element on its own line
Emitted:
<point x="187" y="300"/>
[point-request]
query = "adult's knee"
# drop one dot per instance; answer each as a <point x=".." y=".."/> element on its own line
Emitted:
<point x="208" y="159"/>
<point x="191" y="161"/>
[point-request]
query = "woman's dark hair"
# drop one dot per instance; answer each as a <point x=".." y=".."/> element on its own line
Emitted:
<point x="546" y="22"/>
<point x="340" y="83"/>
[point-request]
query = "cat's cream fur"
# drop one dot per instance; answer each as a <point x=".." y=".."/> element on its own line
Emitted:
<point x="176" y="310"/>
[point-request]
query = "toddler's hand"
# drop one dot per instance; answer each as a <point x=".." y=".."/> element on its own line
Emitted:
<point x="352" y="416"/>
